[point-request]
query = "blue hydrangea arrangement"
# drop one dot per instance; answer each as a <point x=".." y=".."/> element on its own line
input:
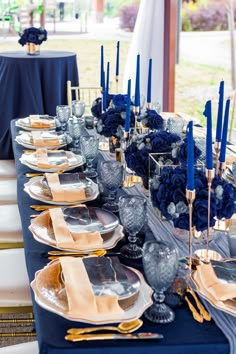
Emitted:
<point x="33" y="35"/>
<point x="152" y="120"/>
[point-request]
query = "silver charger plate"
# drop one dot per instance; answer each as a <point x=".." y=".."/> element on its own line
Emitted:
<point x="25" y="139"/>
<point x="35" y="190"/>
<point x="30" y="160"/>
<point x="24" y="123"/>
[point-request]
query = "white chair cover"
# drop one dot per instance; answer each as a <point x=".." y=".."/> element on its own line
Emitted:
<point x="8" y="191"/>
<point x="10" y="226"/>
<point x="23" y="348"/>
<point x="14" y="282"/>
<point x="7" y="169"/>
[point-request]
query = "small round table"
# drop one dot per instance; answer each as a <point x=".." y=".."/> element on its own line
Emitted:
<point x="32" y="85"/>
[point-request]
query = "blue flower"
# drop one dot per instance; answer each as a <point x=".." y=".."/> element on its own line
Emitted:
<point x="151" y="119"/>
<point x="32" y="35"/>
<point x="110" y="123"/>
<point x="96" y="108"/>
<point x="170" y="198"/>
<point x="119" y="100"/>
<point x="183" y="152"/>
<point x="224" y="198"/>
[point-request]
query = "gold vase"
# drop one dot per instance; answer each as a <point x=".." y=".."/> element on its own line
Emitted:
<point x="33" y="49"/>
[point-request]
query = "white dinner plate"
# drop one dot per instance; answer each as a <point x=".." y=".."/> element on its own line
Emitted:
<point x="25" y="139"/>
<point x="35" y="190"/>
<point x="24" y="123"/>
<point x="52" y="297"/>
<point x="30" y="160"/>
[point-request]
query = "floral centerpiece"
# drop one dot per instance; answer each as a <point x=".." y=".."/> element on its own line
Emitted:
<point x="112" y="122"/>
<point x="152" y="120"/>
<point x="32" y="37"/>
<point x="137" y="153"/>
<point x="168" y="194"/>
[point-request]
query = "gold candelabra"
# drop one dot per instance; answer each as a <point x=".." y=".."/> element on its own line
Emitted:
<point x="217" y="152"/>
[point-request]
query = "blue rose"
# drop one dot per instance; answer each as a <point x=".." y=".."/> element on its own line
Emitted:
<point x="182" y="222"/>
<point x="119" y="100"/>
<point x="200" y="211"/>
<point x="183" y="152"/>
<point x="152" y="119"/>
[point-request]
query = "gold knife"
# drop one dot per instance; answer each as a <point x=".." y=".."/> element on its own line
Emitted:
<point x="46" y="207"/>
<point x="99" y="253"/>
<point x="108" y="336"/>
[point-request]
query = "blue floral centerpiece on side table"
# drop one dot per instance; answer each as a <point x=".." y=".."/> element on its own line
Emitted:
<point x="32" y="37"/>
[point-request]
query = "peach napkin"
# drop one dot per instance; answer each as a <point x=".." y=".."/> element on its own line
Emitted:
<point x="66" y="239"/>
<point x="62" y="195"/>
<point x="206" y="276"/>
<point x="36" y="122"/>
<point x="42" y="159"/>
<point x="81" y="299"/>
<point x="39" y="141"/>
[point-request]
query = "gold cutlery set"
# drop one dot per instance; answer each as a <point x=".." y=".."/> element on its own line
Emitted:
<point x="125" y="330"/>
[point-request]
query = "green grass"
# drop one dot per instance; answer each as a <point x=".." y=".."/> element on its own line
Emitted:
<point x="195" y="83"/>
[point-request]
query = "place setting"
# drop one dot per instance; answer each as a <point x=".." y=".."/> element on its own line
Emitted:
<point x="38" y="139"/>
<point x="62" y="189"/>
<point x="36" y="122"/>
<point x="43" y="160"/>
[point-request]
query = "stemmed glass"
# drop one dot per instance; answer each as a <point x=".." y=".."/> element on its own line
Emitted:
<point x="75" y="128"/>
<point x="63" y="115"/>
<point x="89" y="149"/>
<point x="111" y="174"/>
<point x="132" y="211"/>
<point x="78" y="108"/>
<point x="160" y="263"/>
<point x="175" y="125"/>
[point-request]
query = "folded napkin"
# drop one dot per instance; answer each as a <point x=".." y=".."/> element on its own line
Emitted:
<point x="219" y="291"/>
<point x="43" y="160"/>
<point x="63" y="195"/>
<point x="67" y="239"/>
<point x="36" y="122"/>
<point x="39" y="141"/>
<point x="81" y="299"/>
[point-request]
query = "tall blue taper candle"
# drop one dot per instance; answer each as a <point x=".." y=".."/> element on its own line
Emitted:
<point x="102" y="78"/>
<point x="108" y="78"/>
<point x="190" y="158"/>
<point x="137" y="83"/>
<point x="149" y="86"/>
<point x="127" y="117"/>
<point x="209" y="157"/>
<point x="220" y="112"/>
<point x="104" y="95"/>
<point x="224" y="133"/>
<point x="117" y="60"/>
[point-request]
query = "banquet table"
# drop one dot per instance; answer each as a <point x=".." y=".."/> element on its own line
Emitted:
<point x="183" y="336"/>
<point x="32" y="85"/>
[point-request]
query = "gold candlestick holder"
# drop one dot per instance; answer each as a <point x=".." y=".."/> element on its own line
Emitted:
<point x="148" y="106"/>
<point x="217" y="145"/>
<point x="190" y="196"/>
<point x="210" y="174"/>
<point x="136" y="122"/>
<point x="222" y="167"/>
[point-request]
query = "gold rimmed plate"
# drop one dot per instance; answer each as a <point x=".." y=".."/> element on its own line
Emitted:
<point x="35" y="189"/>
<point x="96" y="220"/>
<point x="25" y="139"/>
<point x="51" y="295"/>
<point x="55" y="161"/>
<point x="24" y="123"/>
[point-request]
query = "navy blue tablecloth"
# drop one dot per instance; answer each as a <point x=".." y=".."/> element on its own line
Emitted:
<point x="32" y="85"/>
<point x="183" y="336"/>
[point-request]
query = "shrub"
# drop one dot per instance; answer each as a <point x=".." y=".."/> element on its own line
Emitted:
<point x="205" y="15"/>
<point x="128" y="15"/>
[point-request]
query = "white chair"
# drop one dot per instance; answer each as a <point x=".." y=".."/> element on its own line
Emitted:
<point x="8" y="191"/>
<point x="7" y="169"/>
<point x="15" y="294"/>
<point x="23" y="348"/>
<point x="85" y="94"/>
<point x="10" y="227"/>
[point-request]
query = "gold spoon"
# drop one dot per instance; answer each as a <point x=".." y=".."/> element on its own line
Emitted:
<point x="34" y="174"/>
<point x="123" y="327"/>
<point x="99" y="253"/>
